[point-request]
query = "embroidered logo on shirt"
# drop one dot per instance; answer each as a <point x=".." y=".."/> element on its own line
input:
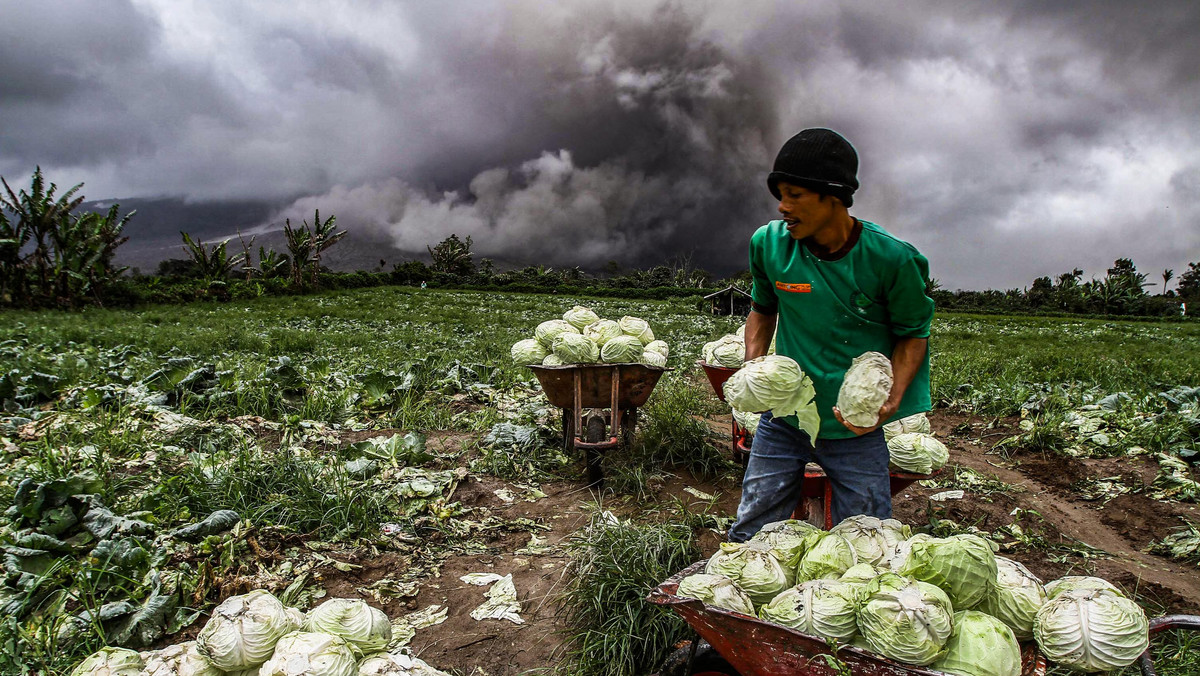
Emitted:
<point x="793" y="288"/>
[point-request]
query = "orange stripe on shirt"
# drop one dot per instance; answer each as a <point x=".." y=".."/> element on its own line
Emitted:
<point x="793" y="288"/>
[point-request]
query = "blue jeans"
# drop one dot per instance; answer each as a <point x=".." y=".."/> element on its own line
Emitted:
<point x="857" y="469"/>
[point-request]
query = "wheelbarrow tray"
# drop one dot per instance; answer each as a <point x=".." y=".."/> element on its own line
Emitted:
<point x="636" y="383"/>
<point x="717" y="375"/>
<point x="758" y="648"/>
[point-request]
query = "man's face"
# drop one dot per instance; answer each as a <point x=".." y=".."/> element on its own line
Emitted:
<point x="804" y="211"/>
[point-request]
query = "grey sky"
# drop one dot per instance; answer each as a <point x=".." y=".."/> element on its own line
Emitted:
<point x="1006" y="140"/>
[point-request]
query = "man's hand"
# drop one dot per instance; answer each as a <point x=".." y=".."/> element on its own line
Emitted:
<point x="886" y="411"/>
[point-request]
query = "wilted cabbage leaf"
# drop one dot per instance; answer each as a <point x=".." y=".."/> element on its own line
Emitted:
<point x="865" y="387"/>
<point x="906" y="620"/>
<point x="981" y="645"/>
<point x="775" y="383"/>
<point x="824" y="608"/>
<point x="716" y="590"/>
<point x="1091" y="630"/>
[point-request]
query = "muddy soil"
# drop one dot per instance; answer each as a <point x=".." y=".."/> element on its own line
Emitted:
<point x="1072" y="535"/>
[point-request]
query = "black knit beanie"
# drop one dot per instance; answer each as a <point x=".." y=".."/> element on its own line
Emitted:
<point x="820" y="160"/>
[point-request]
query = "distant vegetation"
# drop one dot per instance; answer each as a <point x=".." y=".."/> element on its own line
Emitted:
<point x="51" y="256"/>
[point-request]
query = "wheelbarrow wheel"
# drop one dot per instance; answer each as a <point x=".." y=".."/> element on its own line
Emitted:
<point x="597" y="431"/>
<point x="706" y="661"/>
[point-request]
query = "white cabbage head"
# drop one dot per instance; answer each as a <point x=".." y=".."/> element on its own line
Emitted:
<point x="754" y="567"/>
<point x="552" y="360"/>
<point x="874" y="539"/>
<point x="1017" y="598"/>
<point x="621" y="350"/>
<point x="243" y="630"/>
<point x="575" y="348"/>
<point x="964" y="566"/>
<point x="775" y="383"/>
<point x="789" y="538"/>
<point x="304" y="653"/>
<point x="728" y="351"/>
<point x="580" y="316"/>
<point x="547" y="331"/>
<point x="365" y="628"/>
<point x="828" y="556"/>
<point x="1091" y="630"/>
<point x="638" y="328"/>
<point x="528" y="351"/>
<point x="981" y="645"/>
<point x="603" y="330"/>
<point x="652" y="358"/>
<point x="741" y="331"/>
<point x="387" y="664"/>
<point x="917" y="453"/>
<point x="906" y="620"/>
<point x="659" y="346"/>
<point x="181" y="659"/>
<point x="1074" y="582"/>
<point x="716" y="590"/>
<point x="862" y="573"/>
<point x="865" y="387"/>
<point x="917" y="422"/>
<point x="110" y="662"/>
<point x="824" y="608"/>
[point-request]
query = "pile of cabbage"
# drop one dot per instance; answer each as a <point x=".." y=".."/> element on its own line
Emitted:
<point x="912" y="446"/>
<point x="947" y="603"/>
<point x="256" y="635"/>
<point x="582" y="337"/>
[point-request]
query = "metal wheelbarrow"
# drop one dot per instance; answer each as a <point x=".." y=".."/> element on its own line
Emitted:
<point x="816" y="501"/>
<point x="748" y="646"/>
<point x="620" y="388"/>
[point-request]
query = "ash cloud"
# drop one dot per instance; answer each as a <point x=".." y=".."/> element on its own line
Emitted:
<point x="1007" y="141"/>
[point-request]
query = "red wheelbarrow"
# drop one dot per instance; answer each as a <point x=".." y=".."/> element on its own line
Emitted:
<point x="620" y="388"/>
<point x="747" y="646"/>
<point x="817" y="498"/>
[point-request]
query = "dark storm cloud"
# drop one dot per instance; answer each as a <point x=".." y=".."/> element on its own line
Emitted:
<point x="1007" y="140"/>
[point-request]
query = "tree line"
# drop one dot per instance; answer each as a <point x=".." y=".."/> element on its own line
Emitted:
<point x="52" y="255"/>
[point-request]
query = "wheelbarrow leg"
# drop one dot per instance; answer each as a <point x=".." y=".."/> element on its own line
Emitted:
<point x="597" y="429"/>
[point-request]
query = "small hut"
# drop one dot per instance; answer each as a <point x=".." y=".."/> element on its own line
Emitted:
<point x="729" y="301"/>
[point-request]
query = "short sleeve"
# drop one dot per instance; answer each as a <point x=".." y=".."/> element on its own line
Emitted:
<point x="763" y="293"/>
<point x="910" y="309"/>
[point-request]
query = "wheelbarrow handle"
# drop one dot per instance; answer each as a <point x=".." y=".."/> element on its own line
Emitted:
<point x="1164" y="623"/>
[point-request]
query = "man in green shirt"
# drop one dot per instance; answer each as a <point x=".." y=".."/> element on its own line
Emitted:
<point x="833" y="287"/>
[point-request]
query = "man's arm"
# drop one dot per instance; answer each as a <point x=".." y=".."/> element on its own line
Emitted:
<point x="907" y="357"/>
<point x="760" y="328"/>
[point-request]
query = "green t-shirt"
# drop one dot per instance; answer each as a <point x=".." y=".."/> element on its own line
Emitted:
<point x="831" y="311"/>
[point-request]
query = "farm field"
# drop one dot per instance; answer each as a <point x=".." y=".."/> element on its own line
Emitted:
<point x="380" y="444"/>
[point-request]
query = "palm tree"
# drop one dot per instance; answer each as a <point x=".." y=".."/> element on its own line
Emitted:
<point x="300" y="246"/>
<point x="323" y="237"/>
<point x="1167" y="275"/>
